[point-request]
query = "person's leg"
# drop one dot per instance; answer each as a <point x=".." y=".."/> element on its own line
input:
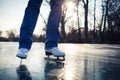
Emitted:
<point x="28" y="24"/>
<point x="52" y="32"/>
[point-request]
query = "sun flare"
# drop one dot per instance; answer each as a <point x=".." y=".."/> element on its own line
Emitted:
<point x="70" y="8"/>
<point x="70" y="5"/>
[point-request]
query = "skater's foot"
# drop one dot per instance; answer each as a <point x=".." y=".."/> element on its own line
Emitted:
<point x="22" y="53"/>
<point x="55" y="52"/>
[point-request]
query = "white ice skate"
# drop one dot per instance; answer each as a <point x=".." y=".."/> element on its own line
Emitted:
<point x="22" y="53"/>
<point x="55" y="52"/>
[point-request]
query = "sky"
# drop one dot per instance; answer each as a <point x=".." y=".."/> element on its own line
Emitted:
<point x="12" y="12"/>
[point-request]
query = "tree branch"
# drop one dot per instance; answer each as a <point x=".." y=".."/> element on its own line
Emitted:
<point x="43" y="19"/>
<point x="67" y="19"/>
<point x="83" y="2"/>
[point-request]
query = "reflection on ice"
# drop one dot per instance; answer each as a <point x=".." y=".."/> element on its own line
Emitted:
<point x="82" y="62"/>
<point x="54" y="70"/>
<point x="23" y="73"/>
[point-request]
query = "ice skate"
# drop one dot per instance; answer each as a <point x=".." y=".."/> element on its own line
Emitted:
<point x="22" y="53"/>
<point x="55" y="52"/>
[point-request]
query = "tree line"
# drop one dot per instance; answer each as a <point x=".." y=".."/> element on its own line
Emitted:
<point x="106" y="29"/>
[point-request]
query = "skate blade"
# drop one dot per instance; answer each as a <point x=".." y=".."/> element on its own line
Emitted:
<point x="54" y="59"/>
<point x="61" y="58"/>
<point x="21" y="57"/>
<point x="48" y="54"/>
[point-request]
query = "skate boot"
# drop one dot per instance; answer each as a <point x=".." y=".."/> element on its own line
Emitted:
<point x="55" y="52"/>
<point x="22" y="53"/>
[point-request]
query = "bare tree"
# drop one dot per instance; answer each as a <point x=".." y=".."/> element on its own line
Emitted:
<point x="113" y="18"/>
<point x="78" y="21"/>
<point x="86" y="2"/>
<point x="101" y="21"/>
<point x="11" y="35"/>
<point x="64" y="20"/>
<point x="105" y="19"/>
<point x="45" y="22"/>
<point x="94" y="31"/>
<point x="47" y="2"/>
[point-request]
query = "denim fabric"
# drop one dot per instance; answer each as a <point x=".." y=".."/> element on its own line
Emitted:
<point x="30" y="19"/>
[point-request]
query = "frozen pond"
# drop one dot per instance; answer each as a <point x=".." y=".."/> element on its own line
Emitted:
<point x="82" y="62"/>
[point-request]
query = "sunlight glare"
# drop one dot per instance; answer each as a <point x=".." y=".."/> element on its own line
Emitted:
<point x="70" y="9"/>
<point x="70" y="5"/>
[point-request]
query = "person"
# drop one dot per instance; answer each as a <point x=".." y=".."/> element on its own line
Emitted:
<point x="52" y="32"/>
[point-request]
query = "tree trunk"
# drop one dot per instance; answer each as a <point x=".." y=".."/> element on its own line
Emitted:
<point x="63" y="21"/>
<point x="101" y="22"/>
<point x="79" y="29"/>
<point x="86" y="20"/>
<point x="63" y="33"/>
<point x="105" y="20"/>
<point x="94" y="31"/>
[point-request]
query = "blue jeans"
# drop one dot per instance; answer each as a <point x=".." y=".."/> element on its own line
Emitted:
<point x="30" y="19"/>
